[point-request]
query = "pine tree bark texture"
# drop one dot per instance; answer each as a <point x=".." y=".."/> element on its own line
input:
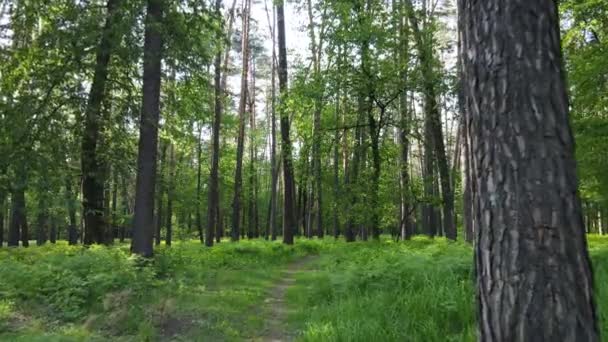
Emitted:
<point x="534" y="277"/>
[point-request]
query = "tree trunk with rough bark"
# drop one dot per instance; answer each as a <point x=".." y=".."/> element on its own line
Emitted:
<point x="143" y="223"/>
<point x="289" y="222"/>
<point x="93" y="175"/>
<point x="534" y="276"/>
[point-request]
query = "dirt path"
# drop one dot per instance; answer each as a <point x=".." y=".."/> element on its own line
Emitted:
<point x="275" y="306"/>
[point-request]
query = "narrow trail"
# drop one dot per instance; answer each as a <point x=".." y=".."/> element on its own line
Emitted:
<point x="276" y="307"/>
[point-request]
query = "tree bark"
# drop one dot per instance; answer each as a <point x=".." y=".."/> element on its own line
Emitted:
<point x="148" y="133"/>
<point x="534" y="276"/>
<point x="93" y="174"/>
<point x="289" y="223"/>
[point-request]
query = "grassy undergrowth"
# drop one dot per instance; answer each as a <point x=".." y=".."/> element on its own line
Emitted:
<point x="189" y="293"/>
<point x="421" y="290"/>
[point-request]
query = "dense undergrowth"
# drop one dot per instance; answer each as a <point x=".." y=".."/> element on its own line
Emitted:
<point x="62" y="293"/>
<point x="421" y="290"/>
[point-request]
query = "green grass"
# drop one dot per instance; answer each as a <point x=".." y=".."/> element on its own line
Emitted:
<point x="62" y="293"/>
<point x="421" y="290"/>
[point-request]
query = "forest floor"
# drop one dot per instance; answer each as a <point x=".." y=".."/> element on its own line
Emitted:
<point x="420" y="290"/>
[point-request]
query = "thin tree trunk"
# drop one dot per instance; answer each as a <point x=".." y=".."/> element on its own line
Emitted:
<point x="170" y="194"/>
<point x="2" y="211"/>
<point x="213" y="205"/>
<point x="337" y="191"/>
<point x="161" y="193"/>
<point x="125" y="206"/>
<point x="238" y="176"/>
<point x="143" y="225"/>
<point x="92" y="165"/>
<point x="199" y="153"/>
<point x="71" y="204"/>
<point x="113" y="225"/>
<point x="534" y="276"/>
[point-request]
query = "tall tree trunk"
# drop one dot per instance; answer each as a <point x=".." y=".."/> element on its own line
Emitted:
<point x="253" y="210"/>
<point x="316" y="51"/>
<point x="92" y="166"/>
<point x="148" y="133"/>
<point x="238" y="176"/>
<point x="170" y="194"/>
<point x="433" y="120"/>
<point x="289" y="223"/>
<point x="161" y="193"/>
<point x="534" y="276"/>
<point x="199" y="153"/>
<point x="405" y="221"/>
<point x="213" y="205"/>
<point x="274" y="165"/>
<point x="337" y="190"/>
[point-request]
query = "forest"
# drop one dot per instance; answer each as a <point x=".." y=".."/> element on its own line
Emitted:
<point x="313" y="170"/>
